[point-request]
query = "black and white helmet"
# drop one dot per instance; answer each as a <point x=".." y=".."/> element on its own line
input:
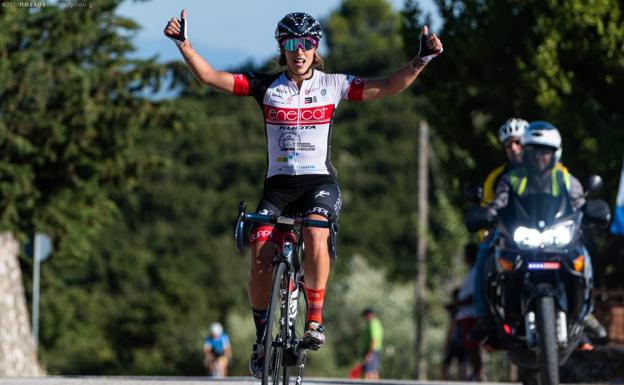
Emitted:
<point x="543" y="134"/>
<point x="298" y="24"/>
<point x="513" y="127"/>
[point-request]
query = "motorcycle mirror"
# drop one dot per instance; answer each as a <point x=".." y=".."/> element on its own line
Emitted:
<point x="593" y="184"/>
<point x="473" y="194"/>
<point x="597" y="212"/>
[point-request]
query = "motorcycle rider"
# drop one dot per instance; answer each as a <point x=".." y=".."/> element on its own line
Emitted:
<point x="542" y="173"/>
<point x="510" y="137"/>
<point x="539" y="172"/>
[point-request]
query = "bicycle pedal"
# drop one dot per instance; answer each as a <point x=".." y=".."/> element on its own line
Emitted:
<point x="307" y="345"/>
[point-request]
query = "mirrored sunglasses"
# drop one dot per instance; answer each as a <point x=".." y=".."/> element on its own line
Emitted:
<point x="292" y="44"/>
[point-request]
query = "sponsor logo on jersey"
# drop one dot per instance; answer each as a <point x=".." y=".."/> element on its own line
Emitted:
<point x="310" y="99"/>
<point x="288" y="141"/>
<point x="285" y="159"/>
<point x="297" y="128"/>
<point x="279" y="96"/>
<point x="290" y="167"/>
<point x="301" y="116"/>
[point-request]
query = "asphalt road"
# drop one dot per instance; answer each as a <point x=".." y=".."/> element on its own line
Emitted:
<point x="79" y="380"/>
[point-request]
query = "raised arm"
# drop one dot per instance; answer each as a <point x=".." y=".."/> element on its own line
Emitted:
<point x="176" y="31"/>
<point x="430" y="47"/>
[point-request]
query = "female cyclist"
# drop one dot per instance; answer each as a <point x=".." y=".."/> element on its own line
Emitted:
<point x="298" y="107"/>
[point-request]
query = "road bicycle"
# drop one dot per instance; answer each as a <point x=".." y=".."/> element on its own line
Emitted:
<point x="284" y="349"/>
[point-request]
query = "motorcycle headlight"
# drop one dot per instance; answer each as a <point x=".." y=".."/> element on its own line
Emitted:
<point x="558" y="235"/>
<point x="527" y="237"/>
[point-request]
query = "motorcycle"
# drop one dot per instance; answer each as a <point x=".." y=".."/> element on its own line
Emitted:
<point x="537" y="285"/>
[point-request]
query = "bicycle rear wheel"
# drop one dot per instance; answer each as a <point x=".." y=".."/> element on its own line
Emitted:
<point x="276" y="334"/>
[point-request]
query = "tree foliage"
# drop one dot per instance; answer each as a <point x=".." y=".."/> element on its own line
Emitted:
<point x="561" y="61"/>
<point x="362" y="37"/>
<point x="144" y="193"/>
<point x="70" y="111"/>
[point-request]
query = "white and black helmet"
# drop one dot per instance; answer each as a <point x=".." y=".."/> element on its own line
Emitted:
<point x="298" y="24"/>
<point x="513" y="127"/>
<point x="543" y="134"/>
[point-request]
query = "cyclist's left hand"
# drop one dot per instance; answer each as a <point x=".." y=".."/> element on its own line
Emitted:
<point x="430" y="45"/>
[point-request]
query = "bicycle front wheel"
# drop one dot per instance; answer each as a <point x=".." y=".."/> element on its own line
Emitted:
<point x="276" y="332"/>
<point x="294" y="360"/>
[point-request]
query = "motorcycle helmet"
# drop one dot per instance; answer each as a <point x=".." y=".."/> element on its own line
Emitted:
<point x="540" y="135"/>
<point x="512" y="127"/>
<point x="298" y="24"/>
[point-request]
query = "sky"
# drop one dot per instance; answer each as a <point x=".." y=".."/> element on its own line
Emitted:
<point x="227" y="33"/>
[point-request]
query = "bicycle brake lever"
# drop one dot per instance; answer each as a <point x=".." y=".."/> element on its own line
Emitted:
<point x="239" y="231"/>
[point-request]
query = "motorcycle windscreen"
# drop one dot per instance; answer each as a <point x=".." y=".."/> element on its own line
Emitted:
<point x="535" y="210"/>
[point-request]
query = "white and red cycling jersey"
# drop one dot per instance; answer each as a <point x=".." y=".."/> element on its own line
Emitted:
<point x="298" y="120"/>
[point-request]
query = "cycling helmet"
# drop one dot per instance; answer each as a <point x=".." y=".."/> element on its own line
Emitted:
<point x="298" y="24"/>
<point x="543" y="134"/>
<point x="216" y="329"/>
<point x="512" y="127"/>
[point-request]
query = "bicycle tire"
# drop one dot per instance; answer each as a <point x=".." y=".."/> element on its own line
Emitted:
<point x="275" y="335"/>
<point x="297" y="331"/>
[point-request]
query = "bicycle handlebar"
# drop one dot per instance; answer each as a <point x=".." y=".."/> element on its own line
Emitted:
<point x="243" y="217"/>
<point x="280" y="220"/>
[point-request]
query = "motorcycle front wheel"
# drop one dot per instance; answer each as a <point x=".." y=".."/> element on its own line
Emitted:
<point x="547" y="356"/>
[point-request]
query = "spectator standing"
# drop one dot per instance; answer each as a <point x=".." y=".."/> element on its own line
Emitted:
<point x="371" y="342"/>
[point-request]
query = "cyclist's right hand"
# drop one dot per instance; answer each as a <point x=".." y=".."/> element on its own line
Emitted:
<point x="176" y="29"/>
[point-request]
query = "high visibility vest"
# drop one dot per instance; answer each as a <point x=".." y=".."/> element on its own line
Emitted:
<point x="560" y="179"/>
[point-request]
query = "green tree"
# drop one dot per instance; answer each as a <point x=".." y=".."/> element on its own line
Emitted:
<point x="70" y="111"/>
<point x="71" y="108"/>
<point x="164" y="267"/>
<point x="362" y="38"/>
<point x="561" y="61"/>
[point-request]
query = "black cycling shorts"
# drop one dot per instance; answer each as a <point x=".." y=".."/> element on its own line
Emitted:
<point x="301" y="195"/>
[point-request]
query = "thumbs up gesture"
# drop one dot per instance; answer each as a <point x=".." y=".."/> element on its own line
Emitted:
<point x="176" y="29"/>
<point x="430" y="45"/>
